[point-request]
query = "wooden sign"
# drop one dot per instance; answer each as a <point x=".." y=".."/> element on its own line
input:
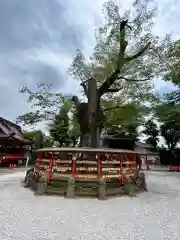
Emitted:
<point x="110" y="169"/>
<point x="86" y="176"/>
<point x="89" y="169"/>
<point x="110" y="162"/>
<point x="110" y="176"/>
<point x="61" y="169"/>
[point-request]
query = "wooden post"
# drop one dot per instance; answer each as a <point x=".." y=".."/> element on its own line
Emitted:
<point x="73" y="166"/>
<point x="51" y="167"/>
<point x="121" y="168"/>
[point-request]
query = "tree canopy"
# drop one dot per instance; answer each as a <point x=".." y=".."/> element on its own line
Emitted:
<point x="126" y="51"/>
<point x="44" y="103"/>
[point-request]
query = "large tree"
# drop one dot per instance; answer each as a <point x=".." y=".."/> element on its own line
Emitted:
<point x="125" y="59"/>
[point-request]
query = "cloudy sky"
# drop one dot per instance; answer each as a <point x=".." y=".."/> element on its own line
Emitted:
<point x="38" y="39"/>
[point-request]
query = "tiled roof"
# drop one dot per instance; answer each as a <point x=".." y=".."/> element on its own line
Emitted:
<point x="143" y="145"/>
<point x="11" y="129"/>
<point x="117" y="136"/>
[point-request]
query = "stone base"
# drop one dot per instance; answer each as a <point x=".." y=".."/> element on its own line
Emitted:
<point x="72" y="188"/>
<point x="29" y="178"/>
<point x="133" y="186"/>
<point x="41" y="185"/>
<point x="102" y="190"/>
<point x="41" y="188"/>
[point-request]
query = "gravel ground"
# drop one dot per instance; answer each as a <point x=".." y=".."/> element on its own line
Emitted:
<point x="5" y="170"/>
<point x="153" y="215"/>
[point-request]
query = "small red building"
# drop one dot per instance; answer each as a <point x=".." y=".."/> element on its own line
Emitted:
<point x="14" y="147"/>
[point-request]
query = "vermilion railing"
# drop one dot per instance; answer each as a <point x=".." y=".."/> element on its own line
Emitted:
<point x="112" y="160"/>
<point x="51" y="167"/>
<point x="174" y="168"/>
<point x="121" y="168"/>
<point x="99" y="165"/>
<point x="38" y="163"/>
<point x="73" y="165"/>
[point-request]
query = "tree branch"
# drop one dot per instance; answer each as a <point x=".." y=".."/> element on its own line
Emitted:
<point x="83" y="84"/>
<point x="134" y="80"/>
<point x="107" y="84"/>
<point x="120" y="62"/>
<point x="112" y="90"/>
<point x="139" y="53"/>
<point x="107" y="109"/>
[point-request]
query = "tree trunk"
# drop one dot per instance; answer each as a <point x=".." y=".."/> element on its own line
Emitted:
<point x="81" y="140"/>
<point x="95" y="131"/>
<point x="93" y="108"/>
<point x="95" y="138"/>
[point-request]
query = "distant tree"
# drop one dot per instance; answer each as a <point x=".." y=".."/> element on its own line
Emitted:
<point x="168" y="114"/>
<point x="64" y="128"/>
<point x="152" y="132"/>
<point x="170" y="134"/>
<point x="59" y="129"/>
<point x="47" y="141"/>
<point x="74" y="131"/>
<point x="39" y="138"/>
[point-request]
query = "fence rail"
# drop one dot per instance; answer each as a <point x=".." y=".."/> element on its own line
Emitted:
<point x="86" y="164"/>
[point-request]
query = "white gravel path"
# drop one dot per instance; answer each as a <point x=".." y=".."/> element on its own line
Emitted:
<point x="153" y="215"/>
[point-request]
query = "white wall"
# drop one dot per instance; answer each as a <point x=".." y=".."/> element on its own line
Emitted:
<point x="146" y="151"/>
